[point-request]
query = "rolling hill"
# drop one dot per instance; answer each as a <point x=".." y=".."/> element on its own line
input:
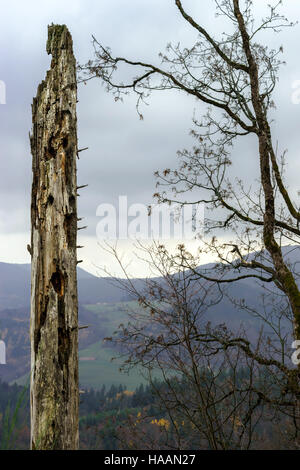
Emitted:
<point x="102" y="306"/>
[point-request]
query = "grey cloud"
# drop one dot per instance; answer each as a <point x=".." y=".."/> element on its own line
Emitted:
<point x="123" y="152"/>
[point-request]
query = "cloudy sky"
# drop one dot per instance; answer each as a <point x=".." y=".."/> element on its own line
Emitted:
<point x="123" y="151"/>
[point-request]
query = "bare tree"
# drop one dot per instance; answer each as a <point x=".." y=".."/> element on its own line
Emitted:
<point x="54" y="303"/>
<point x="235" y="76"/>
<point x="228" y="389"/>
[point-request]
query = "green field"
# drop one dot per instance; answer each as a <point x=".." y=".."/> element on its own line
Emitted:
<point x="112" y="315"/>
<point x="100" y="369"/>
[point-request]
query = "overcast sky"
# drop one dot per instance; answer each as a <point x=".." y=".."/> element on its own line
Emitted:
<point x="123" y="151"/>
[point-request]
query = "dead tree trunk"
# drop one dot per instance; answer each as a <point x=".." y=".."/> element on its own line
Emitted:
<point x="54" y="304"/>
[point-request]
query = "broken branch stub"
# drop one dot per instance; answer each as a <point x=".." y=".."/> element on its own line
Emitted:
<point x="54" y="302"/>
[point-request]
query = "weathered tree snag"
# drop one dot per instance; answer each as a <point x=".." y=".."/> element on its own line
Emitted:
<point x="54" y="304"/>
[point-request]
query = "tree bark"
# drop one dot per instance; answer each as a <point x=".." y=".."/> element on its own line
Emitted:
<point x="54" y="303"/>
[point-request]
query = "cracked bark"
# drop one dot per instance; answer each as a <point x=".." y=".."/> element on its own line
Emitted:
<point x="54" y="304"/>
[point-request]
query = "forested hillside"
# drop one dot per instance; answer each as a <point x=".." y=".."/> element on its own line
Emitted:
<point x="115" y="418"/>
<point x="103" y="307"/>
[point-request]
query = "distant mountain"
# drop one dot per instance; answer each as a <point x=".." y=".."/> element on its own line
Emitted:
<point x="15" y="287"/>
<point x="15" y="313"/>
<point x="94" y="291"/>
<point x="15" y="283"/>
<point x="14" y="330"/>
